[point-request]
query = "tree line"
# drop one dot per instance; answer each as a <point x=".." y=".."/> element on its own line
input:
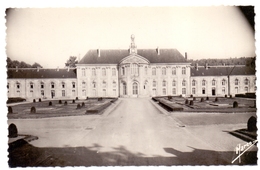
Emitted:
<point x="22" y="64"/>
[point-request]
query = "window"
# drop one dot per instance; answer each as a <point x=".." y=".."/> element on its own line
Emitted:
<point x="145" y="70"/>
<point x="103" y="72"/>
<point x="83" y="84"/>
<point x="173" y="71"/>
<point x="104" y="92"/>
<point x="203" y="90"/>
<point x="113" y="71"/>
<point x="63" y="93"/>
<point x="183" y="70"/>
<point x="31" y="85"/>
<point x="52" y="85"/>
<point x="73" y="85"/>
<point x="223" y="82"/>
<point x="135" y="88"/>
<point x="173" y="83"/>
<point x="153" y="71"/>
<point x="42" y="85"/>
<point x="154" y="83"/>
<point x="246" y="89"/>
<point x="83" y="92"/>
<point x="124" y="89"/>
<point x="163" y="71"/>
<point x="114" y="84"/>
<point x="173" y="91"/>
<point x="123" y="71"/>
<point x="236" y="90"/>
<point x="164" y="91"/>
<point x="18" y="85"/>
<point x="193" y="82"/>
<point x="236" y="82"/>
<point x="193" y="91"/>
<point x="183" y="90"/>
<point x="93" y="72"/>
<point x="246" y="81"/>
<point x="42" y="92"/>
<point x="213" y="82"/>
<point x="63" y="85"/>
<point x="83" y="72"/>
<point x="183" y="82"/>
<point x="7" y="85"/>
<point x="104" y="84"/>
<point x="164" y="83"/>
<point x="94" y="84"/>
<point x="203" y="82"/>
<point x="114" y="92"/>
<point x="134" y="69"/>
<point x="223" y="90"/>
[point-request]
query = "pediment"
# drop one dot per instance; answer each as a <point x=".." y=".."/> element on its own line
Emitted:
<point x="134" y="59"/>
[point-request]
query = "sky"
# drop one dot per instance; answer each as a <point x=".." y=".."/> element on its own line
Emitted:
<point x="49" y="36"/>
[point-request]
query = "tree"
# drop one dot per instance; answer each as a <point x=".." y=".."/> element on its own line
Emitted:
<point x="71" y="62"/>
<point x="36" y="65"/>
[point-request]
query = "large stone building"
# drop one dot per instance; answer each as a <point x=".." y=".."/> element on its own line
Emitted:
<point x="131" y="73"/>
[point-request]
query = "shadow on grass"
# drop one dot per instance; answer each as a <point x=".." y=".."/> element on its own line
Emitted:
<point x="23" y="154"/>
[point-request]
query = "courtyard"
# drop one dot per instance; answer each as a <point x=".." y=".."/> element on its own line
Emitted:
<point x="131" y="131"/>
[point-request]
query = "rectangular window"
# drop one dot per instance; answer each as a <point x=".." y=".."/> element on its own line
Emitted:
<point x="42" y="92"/>
<point x="42" y="86"/>
<point x="154" y="83"/>
<point x="73" y="92"/>
<point x="52" y="86"/>
<point x="164" y="91"/>
<point x="183" y="70"/>
<point x="173" y="91"/>
<point x="193" y="91"/>
<point x="123" y="71"/>
<point x="103" y="72"/>
<point x="153" y="71"/>
<point x="83" y="92"/>
<point x="173" y="71"/>
<point x="31" y="86"/>
<point x="83" y="72"/>
<point x="163" y="71"/>
<point x="223" y="90"/>
<point x="18" y="86"/>
<point x="113" y="71"/>
<point x="203" y="91"/>
<point x="213" y="82"/>
<point x="93" y="72"/>
<point x="114" y="92"/>
<point x="63" y="93"/>
<point x="183" y="90"/>
<point x="73" y="85"/>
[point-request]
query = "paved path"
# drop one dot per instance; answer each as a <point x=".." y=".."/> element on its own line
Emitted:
<point x="135" y="132"/>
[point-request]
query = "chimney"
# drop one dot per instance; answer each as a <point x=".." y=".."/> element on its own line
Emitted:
<point x="16" y="67"/>
<point x="158" y="51"/>
<point x="186" y="56"/>
<point x="197" y="66"/>
<point x="206" y="66"/>
<point x="98" y="51"/>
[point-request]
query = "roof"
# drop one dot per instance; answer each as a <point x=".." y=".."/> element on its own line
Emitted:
<point x="35" y="73"/>
<point x="222" y="71"/>
<point x="115" y="56"/>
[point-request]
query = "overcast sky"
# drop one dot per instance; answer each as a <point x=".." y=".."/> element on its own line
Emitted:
<point x="50" y="36"/>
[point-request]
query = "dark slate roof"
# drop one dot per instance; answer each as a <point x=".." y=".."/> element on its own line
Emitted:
<point x="222" y="71"/>
<point x="115" y="56"/>
<point x="41" y="73"/>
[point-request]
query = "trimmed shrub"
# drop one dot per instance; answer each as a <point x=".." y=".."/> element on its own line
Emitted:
<point x="60" y="102"/>
<point x="100" y="99"/>
<point x="83" y="104"/>
<point x="77" y="98"/>
<point x="191" y="95"/>
<point x="40" y="100"/>
<point x="50" y="103"/>
<point x="235" y="104"/>
<point x="33" y="109"/>
<point x="194" y="98"/>
<point x="86" y="98"/>
<point x="186" y="101"/>
<point x="225" y="96"/>
<point x="216" y="99"/>
<point x="12" y="131"/>
<point x="10" y="109"/>
<point x="34" y="100"/>
<point x="78" y="106"/>
<point x="207" y="98"/>
<point x="65" y="103"/>
<point x="180" y="95"/>
<point x="73" y="101"/>
<point x="191" y="102"/>
<point x="202" y="99"/>
<point x="251" y="124"/>
<point x="169" y="97"/>
<point x="230" y="96"/>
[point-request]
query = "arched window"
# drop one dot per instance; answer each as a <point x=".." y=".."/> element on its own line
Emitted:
<point x="183" y="70"/>
<point x="236" y="82"/>
<point x="134" y="69"/>
<point x="193" y="82"/>
<point x="223" y="82"/>
<point x="18" y="85"/>
<point x="135" y="88"/>
<point x="83" y="72"/>
<point x="94" y="84"/>
<point x="42" y="85"/>
<point x="83" y="84"/>
<point x="164" y="83"/>
<point x="73" y="85"/>
<point x="163" y="71"/>
<point x="213" y="82"/>
<point x="124" y="89"/>
<point x="203" y="82"/>
<point x="123" y="71"/>
<point x="63" y="85"/>
<point x="104" y="84"/>
<point x="31" y="85"/>
<point x="153" y="71"/>
<point x="174" y="71"/>
<point x="52" y="85"/>
<point x="145" y="70"/>
<point x="154" y="83"/>
<point x="246" y="81"/>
